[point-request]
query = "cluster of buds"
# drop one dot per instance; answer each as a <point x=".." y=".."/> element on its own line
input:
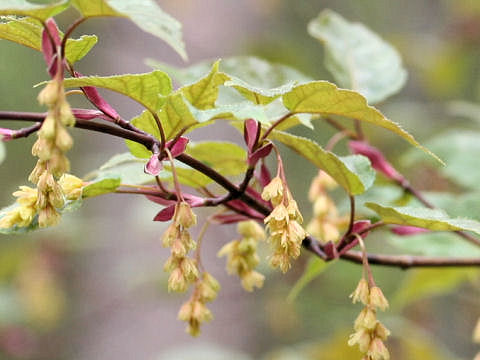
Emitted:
<point x="183" y="270"/>
<point x="28" y="199"/>
<point x="370" y="333"/>
<point x="53" y="141"/>
<point x="283" y="224"/>
<point x="194" y="311"/>
<point x="242" y="257"/>
<point x="326" y="222"/>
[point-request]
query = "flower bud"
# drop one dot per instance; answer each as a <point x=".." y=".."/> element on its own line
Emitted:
<point x="377" y="299"/>
<point x="49" y="94"/>
<point x="184" y="215"/>
<point x="252" y="279"/>
<point x="377" y="350"/>
<point x="71" y="186"/>
<point x="251" y="229"/>
<point x="361" y="293"/>
<point x="48" y="129"/>
<point x="381" y="331"/>
<point x="185" y="312"/>
<point x="176" y="281"/>
<point x="48" y="216"/>
<point x="273" y="191"/>
<point x="63" y="139"/>
<point x="362" y="338"/>
<point x="366" y="319"/>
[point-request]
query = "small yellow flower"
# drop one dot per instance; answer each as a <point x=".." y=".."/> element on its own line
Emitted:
<point x="361" y="293"/>
<point x="274" y="191"/>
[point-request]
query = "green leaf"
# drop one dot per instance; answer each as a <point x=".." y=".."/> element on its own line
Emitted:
<point x="125" y="167"/>
<point x="3" y="153"/>
<point x="148" y="89"/>
<point x="145" y="122"/>
<point x="76" y="49"/>
<point x="175" y="115"/>
<point x="28" y="31"/>
<point x="259" y="95"/>
<point x="204" y="93"/>
<point x="324" y="98"/>
<point x="25" y="31"/>
<point x="431" y="219"/>
<point x="252" y="70"/>
<point x="460" y="151"/>
<point x="357" y="57"/>
<point x="28" y="8"/>
<point x="146" y="14"/>
<point x="101" y="186"/>
<point x="354" y="173"/>
<point x="424" y="283"/>
<point x="228" y="158"/>
<point x="314" y="268"/>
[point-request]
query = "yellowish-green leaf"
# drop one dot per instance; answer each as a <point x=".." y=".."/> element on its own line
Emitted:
<point x="431" y="219"/>
<point x="148" y="89"/>
<point x="101" y="186"/>
<point x="258" y="95"/>
<point x="354" y="173"/>
<point x="225" y="157"/>
<point x="324" y="98"/>
<point x="146" y="14"/>
<point x="203" y="93"/>
<point x="252" y="70"/>
<point x="25" y="31"/>
<point x="423" y="283"/>
<point x="125" y="167"/>
<point x="29" y="8"/>
<point x="314" y="268"/>
<point x="76" y="49"/>
<point x="28" y="31"/>
<point x="145" y="122"/>
<point x="357" y="57"/>
<point x="175" y="115"/>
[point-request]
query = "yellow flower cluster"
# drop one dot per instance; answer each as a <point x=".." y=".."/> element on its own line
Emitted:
<point x="183" y="270"/>
<point x="53" y="141"/>
<point x="283" y="224"/>
<point x="194" y="311"/>
<point x="370" y="333"/>
<point x="326" y="221"/>
<point x="242" y="255"/>
<point x="28" y="201"/>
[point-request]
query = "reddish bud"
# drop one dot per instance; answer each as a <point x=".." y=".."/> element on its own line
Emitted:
<point x="94" y="96"/>
<point x="359" y="226"/>
<point x="405" y="230"/>
<point x="165" y="214"/>
<point x="49" y="34"/>
<point x="377" y="159"/>
<point x="89" y="114"/>
<point x="251" y="133"/>
<point x="7" y="134"/>
<point x="260" y="153"/>
<point x="178" y="147"/>
<point x="153" y="166"/>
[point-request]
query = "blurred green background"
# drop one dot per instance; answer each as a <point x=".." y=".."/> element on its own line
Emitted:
<point x="93" y="287"/>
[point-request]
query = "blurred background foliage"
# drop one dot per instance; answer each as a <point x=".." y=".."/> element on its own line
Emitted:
<point x="93" y="288"/>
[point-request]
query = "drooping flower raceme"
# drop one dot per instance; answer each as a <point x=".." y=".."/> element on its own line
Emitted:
<point x="283" y="224"/>
<point x="242" y="255"/>
<point x="370" y="333"/>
